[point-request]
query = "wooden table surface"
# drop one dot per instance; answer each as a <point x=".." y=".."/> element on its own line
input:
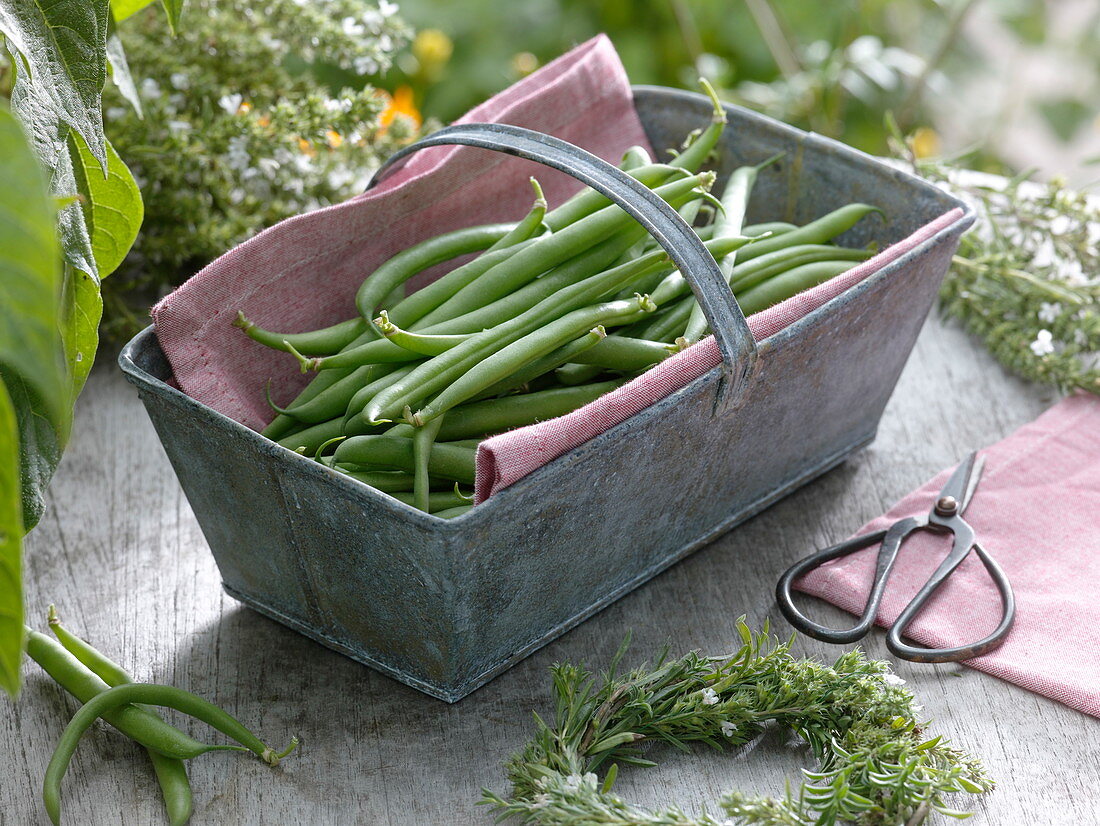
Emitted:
<point x="121" y="555"/>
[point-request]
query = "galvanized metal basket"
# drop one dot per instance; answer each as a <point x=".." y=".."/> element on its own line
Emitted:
<point x="445" y="606"/>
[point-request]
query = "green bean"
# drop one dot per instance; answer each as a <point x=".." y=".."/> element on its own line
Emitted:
<point x="635" y="157"/>
<point x="628" y="355"/>
<point x="313" y="437"/>
<point x="700" y="148"/>
<point x="422" y="441"/>
<point x="577" y="375"/>
<point x="387" y="481"/>
<point x="477" y="315"/>
<point x="735" y="203"/>
<point x="436" y="373"/>
<point x="418" y="343"/>
<point x="551" y="250"/>
<point x="511" y="357"/>
<point x="823" y="229"/>
<point x="451" y="513"/>
<point x="333" y="400"/>
<point x="353" y="425"/>
<point x="316" y="342"/>
<point x="429" y="297"/>
<point x="419" y="257"/>
<point x="766" y="266"/>
<point x="438" y="500"/>
<point x="171" y="773"/>
<point x="495" y="415"/>
<point x="790" y="283"/>
<point x="445" y="460"/>
<point x="545" y="364"/>
<point x="114" y="700"/>
<point x="136" y="723"/>
<point x="774" y="227"/>
<point x="672" y="324"/>
<point x="588" y="201"/>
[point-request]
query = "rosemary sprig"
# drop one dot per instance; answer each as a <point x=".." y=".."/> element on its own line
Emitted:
<point x="875" y="763"/>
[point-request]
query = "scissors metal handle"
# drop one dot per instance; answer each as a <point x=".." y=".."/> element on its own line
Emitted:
<point x="891" y="542"/>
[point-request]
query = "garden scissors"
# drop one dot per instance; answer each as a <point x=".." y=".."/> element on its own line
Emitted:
<point x="944" y="517"/>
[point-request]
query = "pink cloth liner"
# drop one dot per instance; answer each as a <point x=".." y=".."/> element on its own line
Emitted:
<point x="507" y="458"/>
<point x="1037" y="512"/>
<point x="303" y="273"/>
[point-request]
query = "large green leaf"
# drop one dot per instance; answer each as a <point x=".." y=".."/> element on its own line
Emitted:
<point x="49" y="137"/>
<point x="113" y="209"/>
<point x="35" y="389"/>
<point x="82" y="308"/>
<point x="172" y="8"/>
<point x="64" y="46"/>
<point x="11" y="551"/>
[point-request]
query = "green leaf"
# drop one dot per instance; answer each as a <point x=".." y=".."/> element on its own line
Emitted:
<point x="82" y="308"/>
<point x="49" y="138"/>
<point x="11" y="551"/>
<point x="112" y="206"/>
<point x="173" y="8"/>
<point x="125" y="8"/>
<point x="120" y="68"/>
<point x="35" y="392"/>
<point x="64" y="48"/>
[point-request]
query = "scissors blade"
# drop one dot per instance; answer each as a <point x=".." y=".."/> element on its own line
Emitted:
<point x="972" y="484"/>
<point x="958" y="486"/>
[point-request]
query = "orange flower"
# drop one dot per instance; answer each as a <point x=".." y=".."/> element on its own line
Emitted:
<point x="306" y="148"/>
<point x="334" y="139"/>
<point x="399" y="103"/>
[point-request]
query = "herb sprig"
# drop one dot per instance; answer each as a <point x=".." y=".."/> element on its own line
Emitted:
<point x="876" y="765"/>
<point x="1026" y="280"/>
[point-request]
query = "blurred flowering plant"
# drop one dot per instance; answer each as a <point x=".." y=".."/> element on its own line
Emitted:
<point x="241" y="125"/>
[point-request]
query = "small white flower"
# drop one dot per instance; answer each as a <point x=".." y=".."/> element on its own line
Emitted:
<point x="1044" y="255"/>
<point x="1080" y="338"/>
<point x="728" y="728"/>
<point x="231" y="103"/>
<point x="387" y="9"/>
<point x="710" y="696"/>
<point x="352" y="27"/>
<point x="1049" y="312"/>
<point x="365" y="65"/>
<point x="236" y="195"/>
<point x="268" y="166"/>
<point x="1043" y="344"/>
<point x="179" y="80"/>
<point x="590" y="779"/>
<point x="1073" y="273"/>
<point x="1060" y="224"/>
<point x="892" y="679"/>
<point x="541" y="801"/>
<point x="572" y="783"/>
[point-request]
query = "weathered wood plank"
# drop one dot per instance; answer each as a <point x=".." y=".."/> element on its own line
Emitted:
<point x="122" y="556"/>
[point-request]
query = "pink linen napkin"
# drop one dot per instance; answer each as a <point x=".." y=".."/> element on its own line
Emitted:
<point x="1036" y="511"/>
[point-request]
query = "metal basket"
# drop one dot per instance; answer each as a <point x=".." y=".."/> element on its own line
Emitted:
<point x="445" y="606"/>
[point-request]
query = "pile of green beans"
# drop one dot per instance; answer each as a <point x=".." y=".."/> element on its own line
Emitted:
<point x="557" y="310"/>
<point x="108" y="692"/>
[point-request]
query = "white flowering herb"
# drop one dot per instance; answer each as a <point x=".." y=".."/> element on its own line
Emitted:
<point x="1027" y="280"/>
<point x="242" y="140"/>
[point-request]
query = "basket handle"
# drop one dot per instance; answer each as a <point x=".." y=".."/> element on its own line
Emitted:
<point x="731" y="332"/>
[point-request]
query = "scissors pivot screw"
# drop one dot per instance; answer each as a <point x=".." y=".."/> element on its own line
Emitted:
<point x="947" y="506"/>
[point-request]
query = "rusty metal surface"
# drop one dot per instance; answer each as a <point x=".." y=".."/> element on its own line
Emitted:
<point x="446" y="605"/>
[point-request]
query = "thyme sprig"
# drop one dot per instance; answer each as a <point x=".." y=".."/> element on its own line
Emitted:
<point x="876" y="765"/>
<point x="1026" y="280"/>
